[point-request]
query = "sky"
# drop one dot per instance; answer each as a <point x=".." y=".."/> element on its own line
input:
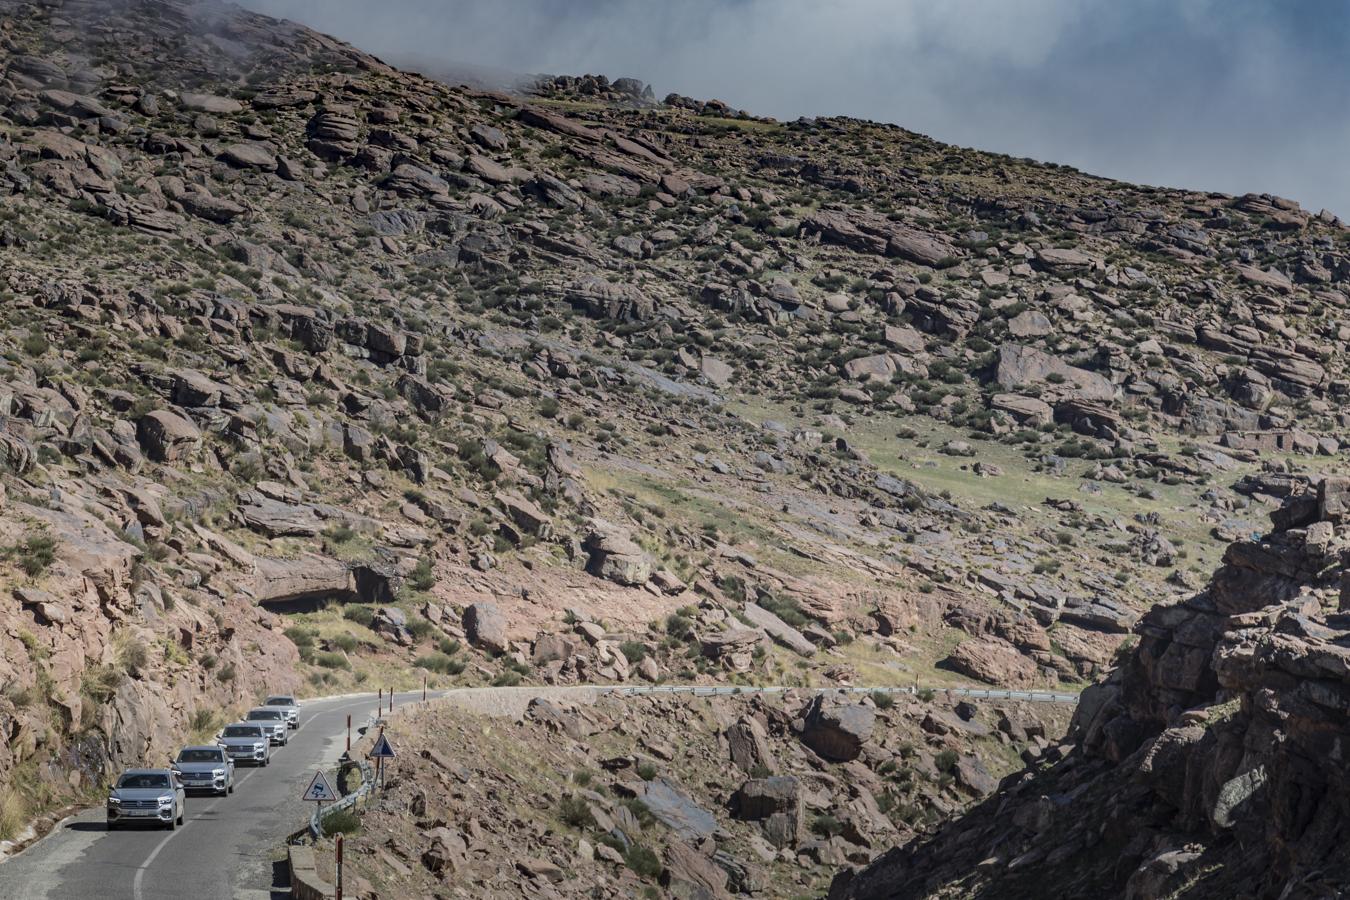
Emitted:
<point x="1226" y="95"/>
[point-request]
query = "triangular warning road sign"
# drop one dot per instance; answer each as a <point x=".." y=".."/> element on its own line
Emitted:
<point x="382" y="749"/>
<point x="320" y="790"/>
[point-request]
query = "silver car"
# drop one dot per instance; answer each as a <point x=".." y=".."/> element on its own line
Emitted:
<point x="247" y="742"/>
<point x="272" y="719"/>
<point x="147" y="795"/>
<point x="205" y="769"/>
<point x="286" y="702"/>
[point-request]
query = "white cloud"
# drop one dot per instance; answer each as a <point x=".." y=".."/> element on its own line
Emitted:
<point x="1197" y="93"/>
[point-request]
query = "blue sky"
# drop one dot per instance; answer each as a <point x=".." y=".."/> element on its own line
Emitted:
<point x="1227" y="95"/>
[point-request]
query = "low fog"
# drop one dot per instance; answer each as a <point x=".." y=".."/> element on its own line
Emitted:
<point x="1228" y="95"/>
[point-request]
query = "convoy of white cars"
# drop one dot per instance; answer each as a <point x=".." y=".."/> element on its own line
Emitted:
<point x="159" y="796"/>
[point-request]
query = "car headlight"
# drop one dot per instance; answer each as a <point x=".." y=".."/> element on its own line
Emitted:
<point x="166" y="801"/>
<point x="114" y="801"/>
<point x="259" y="746"/>
<point x="219" y="773"/>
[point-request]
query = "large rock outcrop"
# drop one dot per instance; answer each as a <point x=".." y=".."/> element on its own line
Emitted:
<point x="1211" y="763"/>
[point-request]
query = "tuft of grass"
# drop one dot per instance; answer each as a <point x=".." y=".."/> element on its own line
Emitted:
<point x="204" y="721"/>
<point x="361" y="615"/>
<point x="643" y="862"/>
<point x="946" y="761"/>
<point x="826" y="826"/>
<point x="13" y="814"/>
<point x="422" y="577"/>
<point x="575" y="812"/>
<point x="100" y="682"/>
<point x="34" y="554"/>
<point x="440" y="663"/>
<point x="883" y="700"/>
<point x="343" y="821"/>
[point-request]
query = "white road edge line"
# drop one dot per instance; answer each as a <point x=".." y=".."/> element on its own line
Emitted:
<point x="140" y="870"/>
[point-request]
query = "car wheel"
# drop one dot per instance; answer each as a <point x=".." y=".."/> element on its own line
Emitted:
<point x="173" y="823"/>
<point x="230" y="788"/>
<point x="181" y="814"/>
<point x="112" y="826"/>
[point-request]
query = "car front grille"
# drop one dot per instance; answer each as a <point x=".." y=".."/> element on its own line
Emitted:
<point x="140" y="804"/>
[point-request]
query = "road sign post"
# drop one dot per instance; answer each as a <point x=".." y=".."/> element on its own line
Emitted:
<point x="349" y="732"/>
<point x="337" y="894"/>
<point x="380" y="752"/>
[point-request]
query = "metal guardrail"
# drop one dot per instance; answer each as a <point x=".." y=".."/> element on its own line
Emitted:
<point x="367" y="785"/>
<point x="723" y="691"/>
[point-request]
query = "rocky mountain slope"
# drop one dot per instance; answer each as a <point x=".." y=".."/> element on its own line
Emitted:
<point x="561" y="793"/>
<point x="320" y="372"/>
<point x="1210" y="764"/>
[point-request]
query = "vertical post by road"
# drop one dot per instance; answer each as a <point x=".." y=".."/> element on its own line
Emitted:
<point x="337" y="894"/>
<point x="349" y="733"/>
<point x="391" y="699"/>
<point x="424" y="689"/>
<point x="379" y="708"/>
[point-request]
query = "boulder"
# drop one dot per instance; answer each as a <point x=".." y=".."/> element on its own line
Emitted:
<point x="879" y="367"/>
<point x="776" y="803"/>
<point x="1063" y="258"/>
<point x="276" y="518"/>
<point x="835" y="730"/>
<point x="1029" y="323"/>
<point x="250" y="156"/>
<point x="673" y="808"/>
<point x="614" y="556"/>
<point x="733" y="648"/>
<point x="166" y="436"/>
<point x="209" y="103"/>
<point x="689" y="873"/>
<point x="1029" y="411"/>
<point x="1022" y="366"/>
<point x="485" y="626"/>
<point x="716" y="371"/>
<point x="779" y="630"/>
<point x="992" y="660"/>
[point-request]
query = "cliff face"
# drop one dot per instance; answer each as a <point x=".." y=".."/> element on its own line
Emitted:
<point x="1213" y="762"/>
<point x="103" y="664"/>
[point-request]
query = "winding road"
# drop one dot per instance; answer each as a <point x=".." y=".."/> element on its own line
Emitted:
<point x="228" y="848"/>
<point x="224" y="851"/>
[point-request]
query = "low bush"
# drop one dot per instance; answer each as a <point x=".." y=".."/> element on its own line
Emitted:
<point x="643" y="862"/>
<point x="575" y="812"/>
<point x="343" y="821"/>
<point x="34" y="555"/>
<point x="439" y="663"/>
<point x="361" y="615"/>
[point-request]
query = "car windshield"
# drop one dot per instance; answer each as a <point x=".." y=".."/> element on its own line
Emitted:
<point x="242" y="731"/>
<point x="266" y="714"/>
<point x="200" y="755"/>
<point x="143" y="781"/>
<point x="280" y="701"/>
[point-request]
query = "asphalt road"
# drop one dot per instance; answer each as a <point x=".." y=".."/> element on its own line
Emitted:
<point x="224" y="851"/>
